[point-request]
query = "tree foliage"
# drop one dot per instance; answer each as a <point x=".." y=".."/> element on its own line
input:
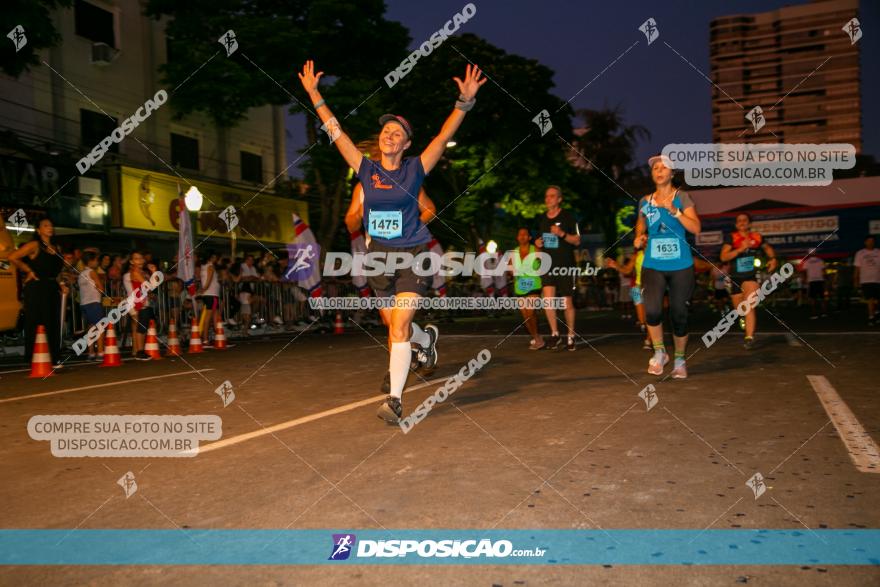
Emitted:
<point x="39" y="30"/>
<point x="275" y="37"/>
<point x="348" y="39"/>
<point x="489" y="183"/>
<point x="498" y="171"/>
<point x="605" y="152"/>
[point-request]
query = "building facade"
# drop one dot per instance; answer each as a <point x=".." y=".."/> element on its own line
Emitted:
<point x="797" y="64"/>
<point x="103" y="71"/>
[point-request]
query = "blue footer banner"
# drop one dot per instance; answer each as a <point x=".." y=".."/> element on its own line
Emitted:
<point x="428" y="547"/>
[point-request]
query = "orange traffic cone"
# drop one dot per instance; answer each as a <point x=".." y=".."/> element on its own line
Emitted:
<point x="111" y="351"/>
<point x="219" y="337"/>
<point x="41" y="364"/>
<point x="173" y="341"/>
<point x="195" y="341"/>
<point x="338" y="326"/>
<point x="151" y="347"/>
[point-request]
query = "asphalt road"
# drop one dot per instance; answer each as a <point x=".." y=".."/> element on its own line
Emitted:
<point x="535" y="440"/>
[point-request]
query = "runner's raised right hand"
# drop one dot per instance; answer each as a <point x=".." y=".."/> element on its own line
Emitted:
<point x="308" y="77"/>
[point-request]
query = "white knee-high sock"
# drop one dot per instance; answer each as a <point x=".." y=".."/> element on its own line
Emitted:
<point x="399" y="366"/>
<point x="419" y="336"/>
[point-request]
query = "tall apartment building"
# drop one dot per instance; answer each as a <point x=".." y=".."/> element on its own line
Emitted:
<point x="797" y="54"/>
<point x="105" y="68"/>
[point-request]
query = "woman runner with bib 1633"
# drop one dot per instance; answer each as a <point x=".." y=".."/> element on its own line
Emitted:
<point x="665" y="218"/>
<point x="391" y="216"/>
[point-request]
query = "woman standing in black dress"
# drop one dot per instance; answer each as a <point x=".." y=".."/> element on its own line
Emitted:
<point x="40" y="260"/>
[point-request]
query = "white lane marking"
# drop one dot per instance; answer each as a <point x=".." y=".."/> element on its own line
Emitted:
<point x="99" y="385"/>
<point x="66" y="366"/>
<point x="637" y="333"/>
<point x="599" y="337"/>
<point x="861" y="447"/>
<point x="306" y="419"/>
<point x="826" y="333"/>
<point x="595" y="338"/>
<point x="792" y="341"/>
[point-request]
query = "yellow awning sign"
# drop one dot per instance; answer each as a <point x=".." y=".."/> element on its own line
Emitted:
<point x="150" y="202"/>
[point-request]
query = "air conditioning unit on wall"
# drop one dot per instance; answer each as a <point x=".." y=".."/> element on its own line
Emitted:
<point x="102" y="54"/>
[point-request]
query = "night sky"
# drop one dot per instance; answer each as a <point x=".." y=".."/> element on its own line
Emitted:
<point x="654" y="86"/>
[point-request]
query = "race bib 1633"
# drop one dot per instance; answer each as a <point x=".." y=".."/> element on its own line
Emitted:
<point x="665" y="249"/>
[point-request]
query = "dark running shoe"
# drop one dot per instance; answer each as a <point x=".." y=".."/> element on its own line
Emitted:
<point x="390" y="410"/>
<point x="430" y="352"/>
<point x="554" y="342"/>
<point x="416" y="360"/>
<point x="570" y="345"/>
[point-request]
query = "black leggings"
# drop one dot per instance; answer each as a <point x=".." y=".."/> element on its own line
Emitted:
<point x="681" y="288"/>
<point x="42" y="307"/>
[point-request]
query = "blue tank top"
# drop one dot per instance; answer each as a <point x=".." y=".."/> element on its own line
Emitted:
<point x="391" y="203"/>
<point x="667" y="248"/>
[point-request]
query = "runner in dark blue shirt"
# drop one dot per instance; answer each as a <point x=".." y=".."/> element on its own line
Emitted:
<point x="391" y="214"/>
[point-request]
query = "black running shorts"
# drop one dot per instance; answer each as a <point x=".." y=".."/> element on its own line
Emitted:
<point x="404" y="280"/>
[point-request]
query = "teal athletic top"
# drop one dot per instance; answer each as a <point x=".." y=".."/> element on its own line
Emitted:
<point x="667" y="248"/>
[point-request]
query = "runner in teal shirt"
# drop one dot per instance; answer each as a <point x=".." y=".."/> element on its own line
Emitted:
<point x="665" y="218"/>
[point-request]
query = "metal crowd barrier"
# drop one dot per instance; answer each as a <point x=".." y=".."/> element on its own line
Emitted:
<point x="273" y="305"/>
<point x="279" y="305"/>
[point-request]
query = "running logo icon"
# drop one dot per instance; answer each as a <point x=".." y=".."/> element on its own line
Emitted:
<point x="652" y="214"/>
<point x="649" y="28"/>
<point x="128" y="484"/>
<point x="304" y="261"/>
<point x="756" y="117"/>
<point x="756" y="484"/>
<point x="342" y="546"/>
<point x="332" y="128"/>
<point x="229" y="217"/>
<point x="649" y="396"/>
<point x="854" y="29"/>
<point x="229" y="42"/>
<point x="18" y="220"/>
<point x="226" y="393"/>
<point x="543" y="121"/>
<point x="377" y="183"/>
<point x="18" y="39"/>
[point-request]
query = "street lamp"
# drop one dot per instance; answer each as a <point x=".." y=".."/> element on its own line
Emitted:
<point x="450" y="144"/>
<point x="491" y="247"/>
<point x="193" y="199"/>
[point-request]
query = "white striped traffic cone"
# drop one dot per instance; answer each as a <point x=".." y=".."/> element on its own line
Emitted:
<point x="41" y="364"/>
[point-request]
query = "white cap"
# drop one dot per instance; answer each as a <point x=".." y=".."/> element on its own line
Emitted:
<point x="666" y="161"/>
